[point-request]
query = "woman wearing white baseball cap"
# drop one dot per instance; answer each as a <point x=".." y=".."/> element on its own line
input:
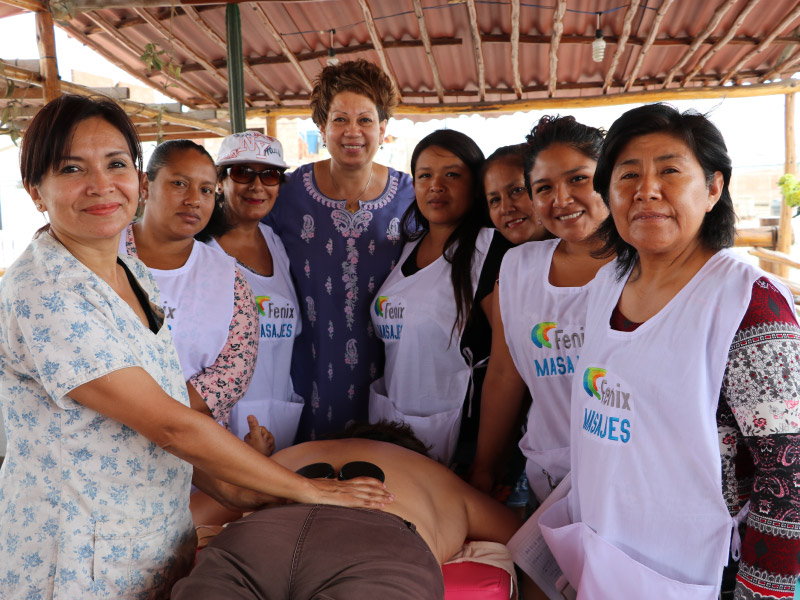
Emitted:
<point x="250" y="170"/>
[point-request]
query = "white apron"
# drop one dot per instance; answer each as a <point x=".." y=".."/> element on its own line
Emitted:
<point x="426" y="377"/>
<point x="646" y="510"/>
<point x="271" y="396"/>
<point x="544" y="329"/>
<point x="198" y="304"/>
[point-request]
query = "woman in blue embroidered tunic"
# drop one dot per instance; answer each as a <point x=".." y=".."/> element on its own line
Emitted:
<point x="339" y="220"/>
<point x="93" y="492"/>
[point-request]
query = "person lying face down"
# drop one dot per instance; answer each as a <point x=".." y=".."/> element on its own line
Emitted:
<point x="322" y="551"/>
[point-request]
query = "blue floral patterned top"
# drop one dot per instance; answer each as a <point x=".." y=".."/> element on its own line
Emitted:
<point x="338" y="260"/>
<point x="88" y="507"/>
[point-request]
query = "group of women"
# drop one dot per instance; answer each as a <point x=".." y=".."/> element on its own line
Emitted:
<point x="579" y="277"/>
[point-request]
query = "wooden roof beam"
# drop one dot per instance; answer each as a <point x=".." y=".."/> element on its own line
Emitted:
<point x="555" y="40"/>
<point x="186" y="135"/>
<point x="285" y="50"/>
<point x="784" y="66"/>
<point x="648" y="43"/>
<point x="785" y="22"/>
<point x="180" y="44"/>
<point x="114" y="60"/>
<point x="517" y="83"/>
<point x="85" y="5"/>
<point x="721" y="43"/>
<point x="630" y="13"/>
<point x="477" y="51"/>
<point x="222" y="63"/>
<point x="46" y="42"/>
<point x="132" y="108"/>
<point x="198" y="20"/>
<point x="369" y="21"/>
<point x="291" y="101"/>
<point x="707" y="30"/>
<point x="766" y="89"/>
<point x="31" y="5"/>
<point x="570" y="38"/>
<point x="426" y="42"/>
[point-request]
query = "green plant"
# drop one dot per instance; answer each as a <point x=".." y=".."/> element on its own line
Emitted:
<point x="153" y="59"/>
<point x="9" y="114"/>
<point x="790" y="188"/>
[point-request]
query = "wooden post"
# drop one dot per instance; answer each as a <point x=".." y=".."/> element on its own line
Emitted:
<point x="785" y="227"/>
<point x="48" y="66"/>
<point x="272" y="126"/>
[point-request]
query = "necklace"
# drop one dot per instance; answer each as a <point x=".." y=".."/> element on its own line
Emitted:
<point x="338" y="191"/>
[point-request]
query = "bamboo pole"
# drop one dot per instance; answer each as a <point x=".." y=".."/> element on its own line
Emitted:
<point x="514" y="40"/>
<point x="48" y="66"/>
<point x="31" y="5"/>
<point x="756" y="237"/>
<point x="707" y="31"/>
<point x="630" y="13"/>
<point x="785" y="226"/>
<point x="651" y="39"/>
<point x="555" y="40"/>
<point x="134" y="109"/>
<point x="477" y="50"/>
<point x="776" y="257"/>
<point x="272" y="126"/>
<point x="426" y="40"/>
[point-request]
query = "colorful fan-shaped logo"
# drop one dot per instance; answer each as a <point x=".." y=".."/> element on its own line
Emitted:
<point x="380" y="301"/>
<point x="539" y="334"/>
<point x="590" y="377"/>
<point x="261" y="302"/>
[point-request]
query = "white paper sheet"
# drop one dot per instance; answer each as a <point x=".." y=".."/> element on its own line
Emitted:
<point x="531" y="553"/>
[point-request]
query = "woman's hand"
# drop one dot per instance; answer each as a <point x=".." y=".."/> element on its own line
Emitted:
<point x="361" y="492"/>
<point x="259" y="437"/>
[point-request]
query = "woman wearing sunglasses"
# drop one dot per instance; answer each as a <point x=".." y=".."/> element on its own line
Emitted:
<point x="208" y="303"/>
<point x="250" y="170"/>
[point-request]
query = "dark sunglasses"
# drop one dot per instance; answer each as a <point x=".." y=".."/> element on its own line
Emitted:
<point x="242" y="174"/>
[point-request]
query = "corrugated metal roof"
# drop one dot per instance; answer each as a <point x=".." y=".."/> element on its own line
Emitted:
<point x="673" y="45"/>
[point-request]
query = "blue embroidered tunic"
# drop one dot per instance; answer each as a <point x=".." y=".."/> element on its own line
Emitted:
<point x="338" y="260"/>
<point x="88" y="507"/>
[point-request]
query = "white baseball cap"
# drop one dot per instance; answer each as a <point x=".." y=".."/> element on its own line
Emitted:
<point x="251" y="147"/>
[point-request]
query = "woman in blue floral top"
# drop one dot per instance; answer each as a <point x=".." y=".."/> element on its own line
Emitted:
<point x="93" y="492"/>
<point x="339" y="220"/>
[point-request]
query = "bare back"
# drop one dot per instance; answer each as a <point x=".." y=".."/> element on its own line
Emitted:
<point x="444" y="508"/>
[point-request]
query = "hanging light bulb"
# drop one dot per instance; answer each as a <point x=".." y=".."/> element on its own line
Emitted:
<point x="599" y="44"/>
<point x="332" y="60"/>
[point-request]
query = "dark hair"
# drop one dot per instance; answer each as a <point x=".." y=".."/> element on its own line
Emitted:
<point x="415" y="225"/>
<point x="560" y="130"/>
<point x="708" y="146"/>
<point x="359" y="76"/>
<point x="161" y="156"/>
<point x="513" y="155"/>
<point x="165" y="151"/>
<point x="392" y="432"/>
<point x="218" y="224"/>
<point x="48" y="136"/>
